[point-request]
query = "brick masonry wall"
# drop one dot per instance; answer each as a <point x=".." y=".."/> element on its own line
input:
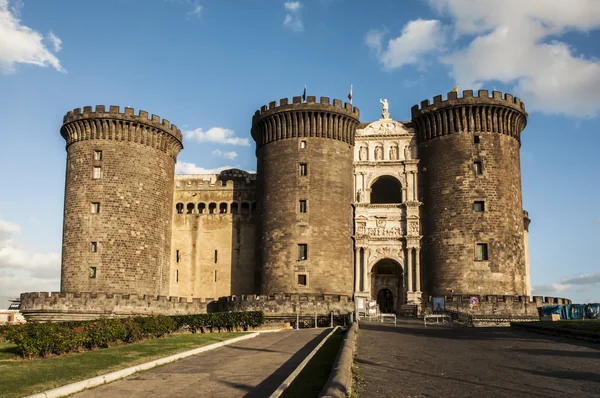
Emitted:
<point x="135" y="192"/>
<point x="449" y="187"/>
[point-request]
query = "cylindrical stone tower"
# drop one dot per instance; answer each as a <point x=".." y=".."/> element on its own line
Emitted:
<point x="305" y="155"/>
<point x="470" y="182"/>
<point x="118" y="201"/>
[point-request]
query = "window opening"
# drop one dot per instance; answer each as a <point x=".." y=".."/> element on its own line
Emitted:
<point x="302" y="251"/>
<point x="92" y="272"/>
<point x="303" y="169"/>
<point x="481" y="252"/>
<point x="94" y="247"/>
<point x="478" y="168"/>
<point x="303" y="206"/>
<point x="95" y="207"/>
<point x="97" y="155"/>
<point x="302" y="280"/>
<point x="479" y="206"/>
<point x="97" y="172"/>
<point x="179" y="207"/>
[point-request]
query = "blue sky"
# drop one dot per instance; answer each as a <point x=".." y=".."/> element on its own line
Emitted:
<point x="207" y="65"/>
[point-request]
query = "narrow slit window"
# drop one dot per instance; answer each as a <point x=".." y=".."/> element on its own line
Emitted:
<point x="303" y="169"/>
<point x="479" y="206"/>
<point x="481" y="252"/>
<point x="97" y="172"/>
<point x="92" y="272"/>
<point x="303" y="206"/>
<point x="215" y="274"/>
<point x="478" y="167"/>
<point x="176" y="276"/>
<point x="215" y="256"/>
<point x="179" y="208"/>
<point x="94" y="247"/>
<point x="97" y="155"/>
<point x="476" y="139"/>
<point x="177" y="257"/>
<point x="95" y="207"/>
<point x="302" y="251"/>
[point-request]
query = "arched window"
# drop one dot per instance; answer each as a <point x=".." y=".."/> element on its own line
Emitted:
<point x="201" y="208"/>
<point x="245" y="208"/>
<point x="223" y="208"/>
<point x="234" y="208"/>
<point x="190" y="208"/>
<point x="212" y="207"/>
<point x="386" y="190"/>
<point x="179" y="208"/>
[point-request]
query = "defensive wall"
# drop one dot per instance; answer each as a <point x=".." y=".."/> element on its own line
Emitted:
<point x="305" y="201"/>
<point x="470" y="183"/>
<point x="56" y="306"/>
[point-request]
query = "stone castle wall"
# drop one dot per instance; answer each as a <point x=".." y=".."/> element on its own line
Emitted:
<point x="453" y="135"/>
<point x="214" y="236"/>
<point x="127" y="243"/>
<point x="321" y="137"/>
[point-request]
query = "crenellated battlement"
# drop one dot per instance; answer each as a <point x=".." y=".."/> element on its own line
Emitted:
<point x="482" y="98"/>
<point x="128" y="114"/>
<point x="311" y="103"/>
<point x="289" y="304"/>
<point x="211" y="182"/>
<point x="504" y="114"/>
<point x="298" y="119"/>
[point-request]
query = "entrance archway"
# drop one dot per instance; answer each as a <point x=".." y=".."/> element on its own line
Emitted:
<point x="386" y="190"/>
<point x="385" y="301"/>
<point x="387" y="285"/>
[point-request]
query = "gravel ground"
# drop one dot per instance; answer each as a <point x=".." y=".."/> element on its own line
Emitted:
<point x="409" y="360"/>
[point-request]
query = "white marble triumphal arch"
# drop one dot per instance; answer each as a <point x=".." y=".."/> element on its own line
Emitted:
<point x="386" y="222"/>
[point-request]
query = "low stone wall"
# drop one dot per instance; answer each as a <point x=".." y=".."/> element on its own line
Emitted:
<point x="496" y="305"/>
<point x="56" y="307"/>
<point x="289" y="305"/>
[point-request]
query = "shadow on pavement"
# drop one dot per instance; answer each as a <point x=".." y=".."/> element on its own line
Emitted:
<point x="560" y="353"/>
<point x="563" y="374"/>
<point x="270" y="384"/>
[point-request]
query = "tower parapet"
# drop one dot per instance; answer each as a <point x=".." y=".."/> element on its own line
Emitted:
<point x="304" y="185"/>
<point x="471" y="192"/>
<point x="305" y="119"/>
<point x="118" y="201"/>
<point x="500" y="114"/>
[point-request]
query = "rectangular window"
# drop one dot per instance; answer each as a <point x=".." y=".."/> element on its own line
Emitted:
<point x="177" y="256"/>
<point x="94" y="247"/>
<point x="302" y="251"/>
<point x="95" y="207"/>
<point x="302" y="144"/>
<point x="92" y="272"/>
<point x="215" y="256"/>
<point x="97" y="172"/>
<point x="303" y="206"/>
<point x="176" y="276"/>
<point x="476" y="139"/>
<point x="302" y="280"/>
<point x="478" y="166"/>
<point x="478" y="205"/>
<point x="97" y="155"/>
<point x="481" y="252"/>
<point x="303" y="169"/>
<point x="215" y="273"/>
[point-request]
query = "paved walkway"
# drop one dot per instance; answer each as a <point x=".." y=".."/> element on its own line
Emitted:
<point x="250" y="368"/>
<point x="410" y="360"/>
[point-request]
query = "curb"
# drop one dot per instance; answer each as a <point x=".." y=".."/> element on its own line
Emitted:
<point x="287" y="382"/>
<point x="119" y="374"/>
<point x="339" y="383"/>
<point x="591" y="337"/>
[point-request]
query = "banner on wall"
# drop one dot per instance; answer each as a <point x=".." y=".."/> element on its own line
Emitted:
<point x="438" y="304"/>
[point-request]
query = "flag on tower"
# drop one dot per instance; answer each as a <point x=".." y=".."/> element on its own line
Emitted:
<point x="304" y="95"/>
<point x="350" y="94"/>
<point x="455" y="90"/>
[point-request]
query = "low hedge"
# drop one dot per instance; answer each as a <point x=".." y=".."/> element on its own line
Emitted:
<point x="44" y="339"/>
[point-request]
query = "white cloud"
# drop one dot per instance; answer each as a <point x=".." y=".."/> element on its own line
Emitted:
<point x="417" y="39"/>
<point x="196" y="12"/>
<point x="191" y="168"/>
<point x="227" y="155"/>
<point x="292" y="18"/>
<point x="56" y="42"/>
<point x="572" y="286"/>
<point x="521" y="44"/>
<point x="22" y="270"/>
<point x="216" y="134"/>
<point x="21" y="44"/>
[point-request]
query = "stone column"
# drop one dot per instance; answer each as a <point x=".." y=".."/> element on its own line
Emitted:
<point x="357" y="274"/>
<point x="415" y="185"/>
<point x="418" y="269"/>
<point x="409" y="267"/>
<point x="366" y="284"/>
<point x="409" y="187"/>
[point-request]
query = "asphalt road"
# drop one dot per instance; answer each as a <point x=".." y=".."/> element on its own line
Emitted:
<point x="409" y="360"/>
<point x="251" y="368"/>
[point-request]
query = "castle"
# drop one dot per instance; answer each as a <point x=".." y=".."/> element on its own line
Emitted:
<point x="339" y="211"/>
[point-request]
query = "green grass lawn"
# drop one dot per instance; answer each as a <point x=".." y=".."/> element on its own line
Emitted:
<point x="313" y="377"/>
<point x="588" y="325"/>
<point x="20" y="377"/>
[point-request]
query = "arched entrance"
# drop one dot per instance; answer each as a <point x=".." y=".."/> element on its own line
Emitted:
<point x="387" y="285"/>
<point x="386" y="190"/>
<point x="385" y="301"/>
